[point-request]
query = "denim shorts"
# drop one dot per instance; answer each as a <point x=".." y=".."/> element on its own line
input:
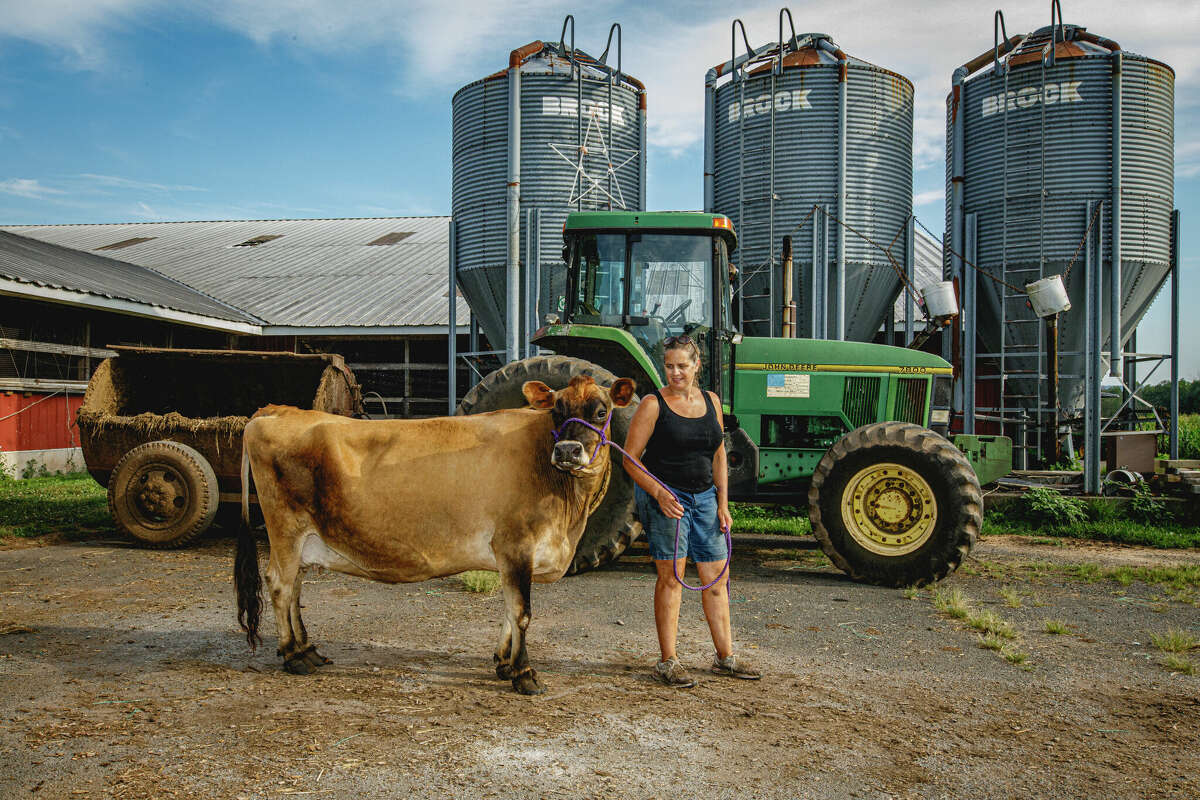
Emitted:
<point x="700" y="536"/>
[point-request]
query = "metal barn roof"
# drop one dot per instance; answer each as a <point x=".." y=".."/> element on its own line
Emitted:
<point x="290" y="273"/>
<point x="66" y="272"/>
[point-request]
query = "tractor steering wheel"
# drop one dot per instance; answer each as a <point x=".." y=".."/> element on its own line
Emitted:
<point x="676" y="316"/>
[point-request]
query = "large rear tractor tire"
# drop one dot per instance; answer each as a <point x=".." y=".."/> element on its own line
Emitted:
<point x="612" y="527"/>
<point x="164" y="494"/>
<point x="895" y="504"/>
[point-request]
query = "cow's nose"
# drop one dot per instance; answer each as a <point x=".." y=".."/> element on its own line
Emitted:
<point x="568" y="452"/>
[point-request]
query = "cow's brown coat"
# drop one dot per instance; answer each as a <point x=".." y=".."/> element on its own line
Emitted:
<point x="409" y="500"/>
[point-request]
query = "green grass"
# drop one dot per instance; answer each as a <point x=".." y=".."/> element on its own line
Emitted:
<point x="1175" y="663"/>
<point x="1174" y="641"/>
<point x="1120" y="531"/>
<point x="483" y="581"/>
<point x="990" y="623"/>
<point x="1010" y="597"/>
<point x="1055" y="627"/>
<point x="786" y="520"/>
<point x="952" y="603"/>
<point x="1180" y="582"/>
<point x="991" y="641"/>
<point x="72" y="504"/>
<point x="1014" y="656"/>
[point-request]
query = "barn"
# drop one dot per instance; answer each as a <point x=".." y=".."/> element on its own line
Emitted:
<point x="374" y="290"/>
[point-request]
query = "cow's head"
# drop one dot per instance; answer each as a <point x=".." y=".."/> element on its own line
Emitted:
<point x="582" y="399"/>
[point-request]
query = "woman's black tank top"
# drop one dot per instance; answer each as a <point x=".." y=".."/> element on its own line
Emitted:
<point x="680" y="451"/>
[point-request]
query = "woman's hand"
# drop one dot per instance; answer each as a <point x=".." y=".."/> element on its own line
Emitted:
<point x="725" y="519"/>
<point x="669" y="506"/>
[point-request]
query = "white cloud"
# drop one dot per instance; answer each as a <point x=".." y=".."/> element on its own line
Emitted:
<point x="937" y="196"/>
<point x="115" y="182"/>
<point x="28" y="187"/>
<point x="431" y="46"/>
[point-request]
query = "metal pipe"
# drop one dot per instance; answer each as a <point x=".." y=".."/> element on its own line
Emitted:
<point x="473" y="375"/>
<point x="816" y="305"/>
<point x="839" y="310"/>
<point x="1173" y="434"/>
<point x="1093" y="260"/>
<point x="710" y="138"/>
<point x="451" y="328"/>
<point x="957" y="116"/>
<point x="513" y="271"/>
<point x="968" y="320"/>
<point x="1051" y="453"/>
<point x="910" y="265"/>
<point x="1114" y="300"/>
<point x="789" y="302"/>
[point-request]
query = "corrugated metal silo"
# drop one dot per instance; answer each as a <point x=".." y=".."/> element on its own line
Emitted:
<point x="574" y="140"/>
<point x="1033" y="139"/>
<point x="796" y="124"/>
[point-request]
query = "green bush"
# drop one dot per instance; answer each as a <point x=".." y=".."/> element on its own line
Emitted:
<point x="1145" y="507"/>
<point x="1044" y="506"/>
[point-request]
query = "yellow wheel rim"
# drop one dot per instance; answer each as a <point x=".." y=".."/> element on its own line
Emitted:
<point x="889" y="509"/>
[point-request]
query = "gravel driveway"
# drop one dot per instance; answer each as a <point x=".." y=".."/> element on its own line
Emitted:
<point x="123" y="674"/>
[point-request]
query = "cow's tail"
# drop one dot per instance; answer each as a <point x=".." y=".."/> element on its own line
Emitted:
<point x="246" y="576"/>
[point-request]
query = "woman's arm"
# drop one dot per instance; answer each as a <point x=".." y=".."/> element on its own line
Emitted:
<point x="640" y="429"/>
<point x="721" y="472"/>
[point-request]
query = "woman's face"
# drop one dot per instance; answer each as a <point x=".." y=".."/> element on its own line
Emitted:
<point x="680" y="368"/>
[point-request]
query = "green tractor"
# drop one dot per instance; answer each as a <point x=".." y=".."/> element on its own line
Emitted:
<point x="855" y="431"/>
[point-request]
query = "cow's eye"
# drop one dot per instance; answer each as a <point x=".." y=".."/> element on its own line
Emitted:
<point x="601" y="412"/>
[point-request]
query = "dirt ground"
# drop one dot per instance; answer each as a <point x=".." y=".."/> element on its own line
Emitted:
<point x="123" y="674"/>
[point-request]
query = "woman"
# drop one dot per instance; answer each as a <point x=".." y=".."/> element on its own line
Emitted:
<point x="677" y="434"/>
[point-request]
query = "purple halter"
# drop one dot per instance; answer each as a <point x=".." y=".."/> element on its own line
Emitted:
<point x="603" y="433"/>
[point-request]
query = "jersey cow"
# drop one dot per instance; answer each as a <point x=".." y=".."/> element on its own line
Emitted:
<point x="408" y="500"/>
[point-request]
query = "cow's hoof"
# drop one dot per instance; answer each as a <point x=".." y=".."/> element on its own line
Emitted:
<point x="527" y="683"/>
<point x="314" y="658"/>
<point x="299" y="665"/>
<point x="503" y="669"/>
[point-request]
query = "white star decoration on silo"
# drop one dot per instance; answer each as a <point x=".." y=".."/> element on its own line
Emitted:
<point x="585" y="184"/>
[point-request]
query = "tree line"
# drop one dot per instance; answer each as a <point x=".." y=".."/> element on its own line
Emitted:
<point x="1160" y="396"/>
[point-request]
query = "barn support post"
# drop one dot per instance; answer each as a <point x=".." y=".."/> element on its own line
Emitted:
<point x="451" y="327"/>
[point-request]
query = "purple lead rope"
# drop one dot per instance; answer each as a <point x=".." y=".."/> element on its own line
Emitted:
<point x="675" y="561"/>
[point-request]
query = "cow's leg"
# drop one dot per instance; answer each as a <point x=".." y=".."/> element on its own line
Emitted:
<point x="306" y="648"/>
<point x="517" y="579"/>
<point x="503" y="655"/>
<point x="283" y="581"/>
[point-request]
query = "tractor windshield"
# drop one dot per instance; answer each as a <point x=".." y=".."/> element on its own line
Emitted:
<point x="655" y="285"/>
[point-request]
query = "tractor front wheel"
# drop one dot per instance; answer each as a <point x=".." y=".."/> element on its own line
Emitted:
<point x="895" y="504"/>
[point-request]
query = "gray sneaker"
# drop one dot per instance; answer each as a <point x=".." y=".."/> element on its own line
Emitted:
<point x="734" y="667"/>
<point x="672" y="673"/>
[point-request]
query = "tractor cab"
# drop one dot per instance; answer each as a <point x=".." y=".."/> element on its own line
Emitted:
<point x="651" y="276"/>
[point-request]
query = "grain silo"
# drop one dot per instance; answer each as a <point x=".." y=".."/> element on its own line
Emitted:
<point x="556" y="131"/>
<point x="798" y="133"/>
<point x="1051" y="136"/>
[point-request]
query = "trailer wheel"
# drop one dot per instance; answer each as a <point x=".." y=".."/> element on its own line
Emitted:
<point x="612" y="527"/>
<point x="895" y="504"/>
<point x="163" y="494"/>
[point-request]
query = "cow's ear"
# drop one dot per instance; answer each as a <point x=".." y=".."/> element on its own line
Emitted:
<point x="538" y="394"/>
<point x="621" y="392"/>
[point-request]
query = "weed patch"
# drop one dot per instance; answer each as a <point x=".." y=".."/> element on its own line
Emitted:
<point x="1014" y="656"/>
<point x="991" y="641"/>
<point x="952" y="603"/>
<point x="1010" y="597"/>
<point x="990" y="623"/>
<point x="482" y="581"/>
<point x="1044" y="506"/>
<point x="1055" y="627"/>
<point x="1175" y="663"/>
<point x="1174" y="641"/>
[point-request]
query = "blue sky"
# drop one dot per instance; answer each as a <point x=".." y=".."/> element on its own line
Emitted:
<point x="131" y="110"/>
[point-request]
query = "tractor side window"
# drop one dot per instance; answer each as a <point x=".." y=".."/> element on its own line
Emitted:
<point x="601" y="289"/>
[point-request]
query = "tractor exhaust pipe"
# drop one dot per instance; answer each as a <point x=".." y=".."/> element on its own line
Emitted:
<point x="789" y="302"/>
